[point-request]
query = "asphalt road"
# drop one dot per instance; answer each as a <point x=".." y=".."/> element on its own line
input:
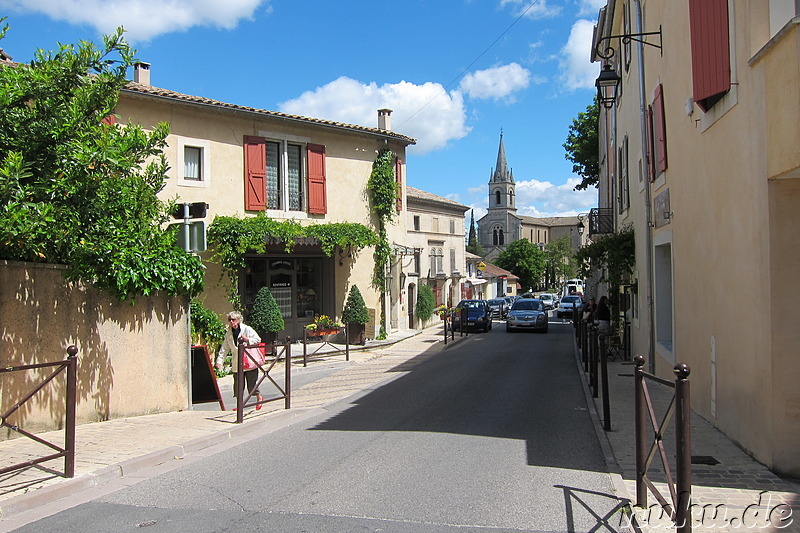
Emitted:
<point x="492" y="434"/>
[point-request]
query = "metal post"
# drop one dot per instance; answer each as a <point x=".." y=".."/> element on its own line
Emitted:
<point x="288" y="378"/>
<point x="593" y="359"/>
<point x="585" y="345"/>
<point x="627" y="353"/>
<point x="452" y="329"/>
<point x="445" y="329"/>
<point x="240" y="384"/>
<point x="346" y="342"/>
<point x="683" y="441"/>
<point x="305" y="347"/>
<point x="640" y="416"/>
<point x="604" y="379"/>
<point x="72" y="396"/>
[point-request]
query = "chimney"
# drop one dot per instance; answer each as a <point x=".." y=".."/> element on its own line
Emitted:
<point x="141" y="73"/>
<point x="385" y="119"/>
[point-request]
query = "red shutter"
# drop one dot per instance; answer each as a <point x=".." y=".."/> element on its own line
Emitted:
<point x="651" y="172"/>
<point x="317" y="201"/>
<point x="110" y="120"/>
<point x="659" y="131"/>
<point x="711" y="62"/>
<point x="255" y="173"/>
<point x="398" y="168"/>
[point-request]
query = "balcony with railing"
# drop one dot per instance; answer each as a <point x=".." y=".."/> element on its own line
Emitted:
<point x="601" y="221"/>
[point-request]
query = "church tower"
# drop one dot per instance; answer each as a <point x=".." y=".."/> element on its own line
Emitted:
<point x="501" y="225"/>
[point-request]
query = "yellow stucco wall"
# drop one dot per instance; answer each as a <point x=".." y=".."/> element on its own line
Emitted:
<point x="132" y="358"/>
<point x="730" y="254"/>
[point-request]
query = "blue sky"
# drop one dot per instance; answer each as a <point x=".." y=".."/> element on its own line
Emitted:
<point x="455" y="73"/>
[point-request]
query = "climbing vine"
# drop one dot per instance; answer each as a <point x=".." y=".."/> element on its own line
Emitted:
<point x="382" y="187"/>
<point x="383" y="191"/>
<point x="614" y="256"/>
<point x="233" y="237"/>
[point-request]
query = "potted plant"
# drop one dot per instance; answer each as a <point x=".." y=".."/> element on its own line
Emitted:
<point x="355" y="315"/>
<point x="323" y="325"/>
<point x="266" y="317"/>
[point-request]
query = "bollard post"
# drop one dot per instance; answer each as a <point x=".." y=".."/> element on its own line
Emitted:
<point x="593" y="359"/>
<point x="640" y="416"/>
<point x="346" y="342"/>
<point x="305" y="347"/>
<point x="604" y="381"/>
<point x="585" y="345"/>
<point x="288" y="376"/>
<point x="683" y="441"/>
<point x="444" y="322"/>
<point x="72" y="396"/>
<point x="240" y="384"/>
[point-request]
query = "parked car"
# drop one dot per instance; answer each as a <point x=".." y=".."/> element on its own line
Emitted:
<point x="548" y="300"/>
<point x="567" y="305"/>
<point x="509" y="302"/>
<point x="499" y="307"/>
<point x="527" y="313"/>
<point x="479" y="316"/>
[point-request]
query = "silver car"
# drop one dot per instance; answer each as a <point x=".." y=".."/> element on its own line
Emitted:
<point x="527" y="313"/>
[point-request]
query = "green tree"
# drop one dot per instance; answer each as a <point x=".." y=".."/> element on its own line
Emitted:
<point x="473" y="245"/>
<point x="266" y="317"/>
<point x="77" y="191"/>
<point x="582" y="146"/>
<point x="558" y="260"/>
<point x="426" y="301"/>
<point x="355" y="310"/>
<point x="525" y="260"/>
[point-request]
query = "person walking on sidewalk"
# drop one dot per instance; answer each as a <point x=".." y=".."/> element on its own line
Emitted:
<point x="602" y="316"/>
<point x="236" y="333"/>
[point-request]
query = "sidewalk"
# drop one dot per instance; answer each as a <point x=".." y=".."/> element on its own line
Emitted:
<point x="107" y="451"/>
<point x="743" y="492"/>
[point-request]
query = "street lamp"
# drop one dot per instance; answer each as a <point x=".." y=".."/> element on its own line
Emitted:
<point x="581" y="227"/>
<point x="607" y="83"/>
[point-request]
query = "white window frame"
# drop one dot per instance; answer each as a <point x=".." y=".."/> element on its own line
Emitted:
<point x="284" y="140"/>
<point x="205" y="162"/>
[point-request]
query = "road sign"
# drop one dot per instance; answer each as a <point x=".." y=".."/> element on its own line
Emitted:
<point x="193" y="210"/>
<point x="481" y="265"/>
<point x="192" y="237"/>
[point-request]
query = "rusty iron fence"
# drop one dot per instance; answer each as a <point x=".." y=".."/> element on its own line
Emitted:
<point x="678" y="507"/>
<point x="273" y="354"/>
<point x="326" y="342"/>
<point x="70" y="366"/>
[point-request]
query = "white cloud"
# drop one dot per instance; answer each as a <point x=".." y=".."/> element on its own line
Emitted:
<point x="533" y="9"/>
<point x="590" y="7"/>
<point x="536" y="198"/>
<point x="142" y="19"/>
<point x="576" y="70"/>
<point x="497" y="82"/>
<point x="426" y="112"/>
<point x="544" y="199"/>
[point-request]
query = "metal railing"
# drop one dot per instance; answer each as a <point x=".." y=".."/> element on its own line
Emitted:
<point x="274" y="353"/>
<point x="70" y="365"/>
<point x="678" y="507"/>
<point x="326" y="342"/>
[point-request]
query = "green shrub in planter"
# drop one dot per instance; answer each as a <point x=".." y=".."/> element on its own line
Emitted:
<point x="355" y="315"/>
<point x="426" y="301"/>
<point x="265" y="317"/>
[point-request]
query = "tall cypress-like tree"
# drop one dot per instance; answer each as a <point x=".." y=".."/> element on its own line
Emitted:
<point x="473" y="245"/>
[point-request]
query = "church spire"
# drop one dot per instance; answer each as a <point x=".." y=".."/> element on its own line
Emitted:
<point x="501" y="172"/>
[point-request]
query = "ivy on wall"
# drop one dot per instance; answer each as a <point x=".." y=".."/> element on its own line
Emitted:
<point x="231" y="238"/>
<point x="383" y="191"/>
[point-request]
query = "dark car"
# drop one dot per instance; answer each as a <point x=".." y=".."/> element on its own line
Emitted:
<point x="527" y="313"/>
<point x="499" y="307"/>
<point x="478" y="315"/>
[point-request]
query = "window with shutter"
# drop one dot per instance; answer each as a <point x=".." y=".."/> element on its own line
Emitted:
<point x="711" y="61"/>
<point x="255" y="176"/>
<point x="651" y="172"/>
<point x="659" y="132"/>
<point x="317" y="200"/>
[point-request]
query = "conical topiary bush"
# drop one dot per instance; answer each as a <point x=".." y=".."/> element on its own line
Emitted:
<point x="355" y="315"/>
<point x="265" y="316"/>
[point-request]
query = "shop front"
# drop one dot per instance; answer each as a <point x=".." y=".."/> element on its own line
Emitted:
<point x="302" y="285"/>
